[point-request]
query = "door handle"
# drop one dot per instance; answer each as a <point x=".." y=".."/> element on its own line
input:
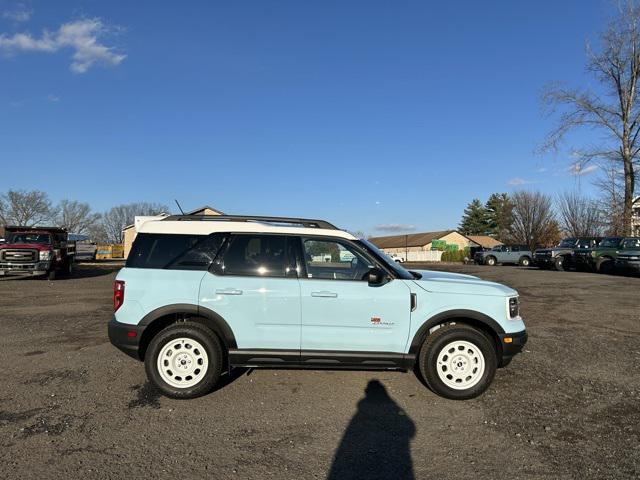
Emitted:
<point x="228" y="291"/>
<point x="324" y="294"/>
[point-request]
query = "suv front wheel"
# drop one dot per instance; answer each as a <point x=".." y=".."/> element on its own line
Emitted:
<point x="458" y="362"/>
<point x="184" y="360"/>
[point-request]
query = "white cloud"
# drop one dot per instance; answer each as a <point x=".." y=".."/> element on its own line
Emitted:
<point x="577" y="170"/>
<point x="20" y="13"/>
<point x="514" y="182"/>
<point x="82" y="36"/>
<point x="395" y="227"/>
<point x="53" y="98"/>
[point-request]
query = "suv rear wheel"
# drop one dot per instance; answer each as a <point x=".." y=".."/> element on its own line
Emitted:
<point x="524" y="261"/>
<point x="458" y="362"/>
<point x="184" y="360"/>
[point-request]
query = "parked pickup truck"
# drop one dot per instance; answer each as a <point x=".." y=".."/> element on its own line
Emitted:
<point x="518" y="254"/>
<point x="561" y="257"/>
<point x="37" y="251"/>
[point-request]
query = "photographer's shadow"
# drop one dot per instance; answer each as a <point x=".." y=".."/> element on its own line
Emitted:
<point x="376" y="442"/>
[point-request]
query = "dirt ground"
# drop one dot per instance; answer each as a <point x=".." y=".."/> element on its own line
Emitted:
<point x="568" y="407"/>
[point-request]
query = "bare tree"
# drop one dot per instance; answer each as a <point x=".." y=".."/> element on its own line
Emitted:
<point x="533" y="219"/>
<point x="611" y="186"/>
<point x="615" y="111"/>
<point x="579" y="216"/>
<point x="76" y="217"/>
<point x="121" y="216"/>
<point x="25" y="208"/>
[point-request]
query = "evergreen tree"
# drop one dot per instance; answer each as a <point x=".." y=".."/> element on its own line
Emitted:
<point x="499" y="212"/>
<point x="474" y="219"/>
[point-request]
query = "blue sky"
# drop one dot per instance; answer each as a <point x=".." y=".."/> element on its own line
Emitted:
<point x="365" y="113"/>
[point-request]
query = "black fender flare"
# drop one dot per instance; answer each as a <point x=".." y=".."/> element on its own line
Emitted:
<point x="212" y="319"/>
<point x="458" y="314"/>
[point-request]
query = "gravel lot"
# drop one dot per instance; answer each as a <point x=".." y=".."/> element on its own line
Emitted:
<point x="568" y="407"/>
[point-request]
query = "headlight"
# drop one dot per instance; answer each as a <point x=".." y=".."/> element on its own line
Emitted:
<point x="45" y="254"/>
<point x="513" y="306"/>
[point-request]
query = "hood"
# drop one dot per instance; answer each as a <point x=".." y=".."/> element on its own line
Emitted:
<point x="29" y="246"/>
<point x="445" y="282"/>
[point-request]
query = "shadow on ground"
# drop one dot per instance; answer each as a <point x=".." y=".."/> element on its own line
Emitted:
<point x="376" y="442"/>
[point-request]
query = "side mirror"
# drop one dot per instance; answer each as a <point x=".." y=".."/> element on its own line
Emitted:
<point x="375" y="277"/>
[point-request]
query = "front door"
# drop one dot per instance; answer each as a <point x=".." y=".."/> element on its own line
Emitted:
<point x="340" y="311"/>
<point x="255" y="289"/>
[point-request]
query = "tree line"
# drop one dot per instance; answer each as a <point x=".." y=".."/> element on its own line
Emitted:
<point x="34" y="208"/>
<point x="537" y="219"/>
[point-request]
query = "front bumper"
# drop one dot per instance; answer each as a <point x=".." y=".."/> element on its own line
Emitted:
<point x="586" y="261"/>
<point x="628" y="265"/>
<point x="543" y="260"/>
<point x="515" y="346"/>
<point x="25" y="269"/>
<point x="126" y="337"/>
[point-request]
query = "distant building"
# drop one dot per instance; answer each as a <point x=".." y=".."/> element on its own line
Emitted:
<point x="484" y="241"/>
<point x="414" y="246"/>
<point x="130" y="231"/>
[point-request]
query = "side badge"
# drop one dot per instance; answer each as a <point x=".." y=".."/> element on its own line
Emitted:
<point x="375" y="320"/>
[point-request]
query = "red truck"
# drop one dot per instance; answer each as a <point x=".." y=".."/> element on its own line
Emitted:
<point x="37" y="251"/>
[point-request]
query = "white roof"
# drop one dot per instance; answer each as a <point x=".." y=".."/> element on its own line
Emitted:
<point x="205" y="227"/>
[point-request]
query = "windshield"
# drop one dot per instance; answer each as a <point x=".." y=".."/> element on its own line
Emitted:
<point x="29" y="238"/>
<point x="631" y="243"/>
<point x="610" y="242"/>
<point x="388" y="261"/>
<point x="567" y="243"/>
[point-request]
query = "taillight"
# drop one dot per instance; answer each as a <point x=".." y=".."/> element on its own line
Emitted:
<point x="118" y="294"/>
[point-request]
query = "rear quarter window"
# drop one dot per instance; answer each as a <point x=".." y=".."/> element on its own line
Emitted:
<point x="175" y="252"/>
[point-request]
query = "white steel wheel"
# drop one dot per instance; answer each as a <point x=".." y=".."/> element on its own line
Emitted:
<point x="182" y="362"/>
<point x="460" y="365"/>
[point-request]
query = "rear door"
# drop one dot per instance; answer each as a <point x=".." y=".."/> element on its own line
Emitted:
<point x="253" y="285"/>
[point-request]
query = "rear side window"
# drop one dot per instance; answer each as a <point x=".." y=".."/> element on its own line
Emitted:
<point x="255" y="255"/>
<point x="175" y="252"/>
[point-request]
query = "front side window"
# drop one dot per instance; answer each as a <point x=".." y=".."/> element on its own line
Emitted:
<point x="327" y="259"/>
<point x="255" y="255"/>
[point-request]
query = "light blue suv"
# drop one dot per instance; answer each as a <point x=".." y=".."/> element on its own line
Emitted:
<point x="200" y="295"/>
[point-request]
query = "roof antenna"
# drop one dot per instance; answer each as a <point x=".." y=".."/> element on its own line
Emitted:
<point x="179" y="207"/>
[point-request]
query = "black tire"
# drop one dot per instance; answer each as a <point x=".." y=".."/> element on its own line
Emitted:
<point x="52" y="275"/>
<point x="202" y="335"/>
<point x="68" y="271"/>
<point x="437" y="341"/>
<point x="491" y="261"/>
<point x="524" y="261"/>
<point x="560" y="263"/>
<point x="605" y="265"/>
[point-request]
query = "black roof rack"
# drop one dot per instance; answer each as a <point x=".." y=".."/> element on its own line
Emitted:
<point x="305" y="222"/>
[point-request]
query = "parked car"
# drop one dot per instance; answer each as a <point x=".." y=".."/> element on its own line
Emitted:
<point x="36" y="251"/>
<point x="201" y="295"/>
<point x="561" y="257"/>
<point x="603" y="257"/>
<point x="629" y="260"/>
<point x="517" y="254"/>
<point x="397" y="257"/>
